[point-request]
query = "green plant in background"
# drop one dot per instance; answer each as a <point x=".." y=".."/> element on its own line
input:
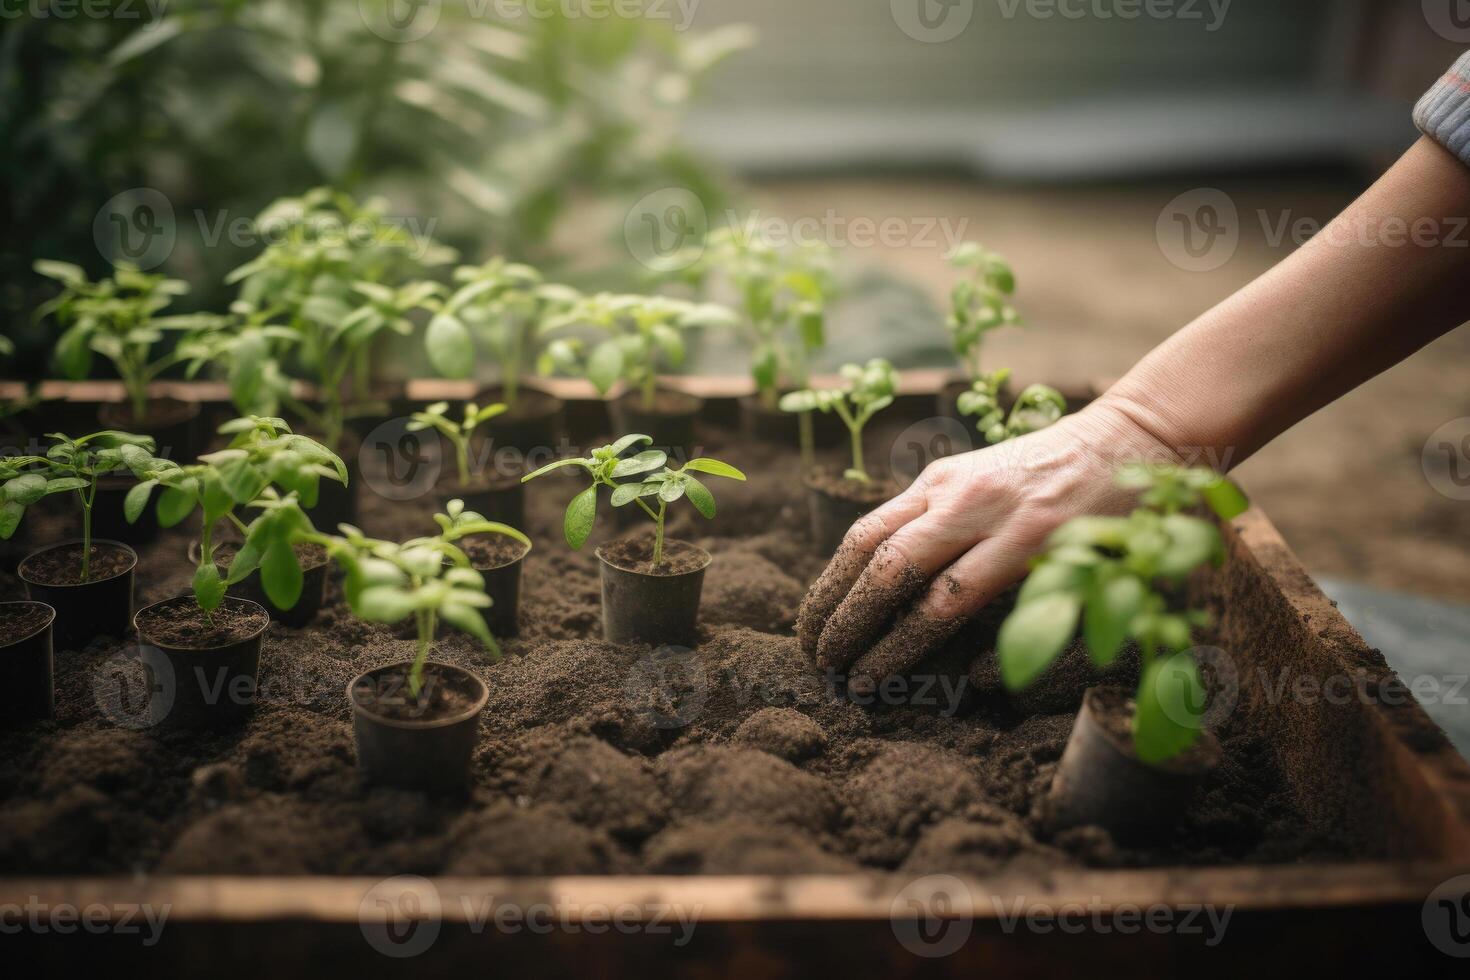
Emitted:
<point x="783" y="298"/>
<point x="668" y="486"/>
<point x="266" y="467"/>
<point x="337" y="274"/>
<point x="1117" y="576"/>
<point x="118" y="318"/>
<point x="428" y="578"/>
<point x="645" y="338"/>
<point x="436" y="416"/>
<point x="868" y="389"/>
<point x="502" y="305"/>
<point x="605" y="466"/>
<point x="71" y="465"/>
<point x="979" y="303"/>
<point x="1036" y="408"/>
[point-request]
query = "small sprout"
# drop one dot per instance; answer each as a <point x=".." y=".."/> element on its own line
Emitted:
<point x="69" y="465"/>
<point x="979" y="303"/>
<point x="668" y="486"/>
<point x="1036" y="408"/>
<point x="429" y="578"/>
<point x="1114" y="576"/>
<point x="645" y="336"/>
<point x="868" y="390"/>
<point x="436" y="416"/>
<point x="605" y="466"/>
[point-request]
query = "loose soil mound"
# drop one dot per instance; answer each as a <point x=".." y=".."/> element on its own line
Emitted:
<point x="739" y="756"/>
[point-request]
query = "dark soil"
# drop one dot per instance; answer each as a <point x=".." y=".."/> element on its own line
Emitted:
<point x="594" y="758"/>
<point x="489" y="551"/>
<point x="829" y="480"/>
<point x="635" y="554"/>
<point x="445" y="694"/>
<point x="180" y="624"/>
<point x="163" y="413"/>
<point x="451" y="489"/>
<point x="63" y="565"/>
<point x="1113" y="707"/>
<point x="665" y="402"/>
<point x="22" y="620"/>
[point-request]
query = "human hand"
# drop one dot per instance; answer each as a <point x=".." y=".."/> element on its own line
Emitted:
<point x="911" y="573"/>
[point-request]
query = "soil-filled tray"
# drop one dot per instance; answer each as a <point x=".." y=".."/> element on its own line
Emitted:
<point x="736" y="758"/>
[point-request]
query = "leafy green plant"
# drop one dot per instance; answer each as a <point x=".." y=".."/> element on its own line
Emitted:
<point x="645" y="337"/>
<point x="429" y="579"/>
<point x="979" y="303"/>
<point x="1117" y="576"/>
<point x="337" y="274"/>
<point x="267" y="467"/>
<point x="670" y="485"/>
<point x="605" y="467"/>
<point x="71" y="465"/>
<point x="868" y="389"/>
<point x="117" y="318"/>
<point x="1036" y="408"/>
<point x="436" y="417"/>
<point x="504" y="305"/>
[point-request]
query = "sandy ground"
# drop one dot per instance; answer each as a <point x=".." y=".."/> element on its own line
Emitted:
<point x="1348" y="487"/>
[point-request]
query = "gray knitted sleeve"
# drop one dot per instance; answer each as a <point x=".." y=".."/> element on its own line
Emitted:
<point x="1444" y="112"/>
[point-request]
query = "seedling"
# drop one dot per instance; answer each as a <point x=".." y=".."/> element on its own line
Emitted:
<point x="1036" y="408"/>
<point x="118" y="319"/>
<point x="669" y="485"/>
<point x="605" y="466"/>
<point x="338" y="275"/>
<point x="646" y="336"/>
<point x="69" y="465"/>
<point x="868" y="390"/>
<point x="504" y="305"/>
<point x="1116" y="575"/>
<point x="436" y="416"/>
<point x="430" y="579"/>
<point x="979" y="303"/>
<point x="267" y="467"/>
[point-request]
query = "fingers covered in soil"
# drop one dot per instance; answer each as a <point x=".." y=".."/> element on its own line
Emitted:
<point x="888" y="582"/>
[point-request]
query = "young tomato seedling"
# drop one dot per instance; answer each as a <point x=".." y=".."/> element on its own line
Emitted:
<point x="668" y="485"/>
<point x="1036" y="408"/>
<point x="69" y="465"/>
<point x="267" y="467"/>
<point x="868" y="390"/>
<point x="1115" y="575"/>
<point x="979" y="303"/>
<point x="436" y="416"/>
<point x="117" y="318"/>
<point x="646" y="334"/>
<point x="605" y="467"/>
<point x="429" y="578"/>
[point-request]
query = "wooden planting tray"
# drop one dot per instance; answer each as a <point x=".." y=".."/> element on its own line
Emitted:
<point x="1370" y="766"/>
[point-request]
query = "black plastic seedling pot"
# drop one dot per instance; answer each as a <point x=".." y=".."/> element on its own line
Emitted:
<point x="84" y="610"/>
<point x="534" y="426"/>
<point x="26" y="673"/>
<point x="208" y="686"/>
<point x="500" y="499"/>
<point x="416" y="742"/>
<point x="670" y="422"/>
<point x="645" y="607"/>
<point x="313" y="590"/>
<point x="1101" y="782"/>
<point x="763" y="423"/>
<point x="832" y="514"/>
<point x="503" y="586"/>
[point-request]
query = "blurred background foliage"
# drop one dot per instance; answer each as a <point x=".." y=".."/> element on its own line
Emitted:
<point x="495" y="131"/>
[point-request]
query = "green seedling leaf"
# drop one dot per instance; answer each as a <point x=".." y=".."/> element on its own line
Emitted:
<point x="209" y="588"/>
<point x="1110" y="611"/>
<point x="1033" y="636"/>
<point x="700" y="497"/>
<point x="10" y="517"/>
<point x="605" y="365"/>
<point x="1225" y="499"/>
<point x="649" y="459"/>
<point x="714" y="467"/>
<point x="26" y="489"/>
<point x="1171" y="702"/>
<point x="581" y="515"/>
<point x="450" y="347"/>
<point x="280" y="574"/>
<point x="137" y="499"/>
<point x="384" y="604"/>
<point x="1049" y="577"/>
<point x="174" y="505"/>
